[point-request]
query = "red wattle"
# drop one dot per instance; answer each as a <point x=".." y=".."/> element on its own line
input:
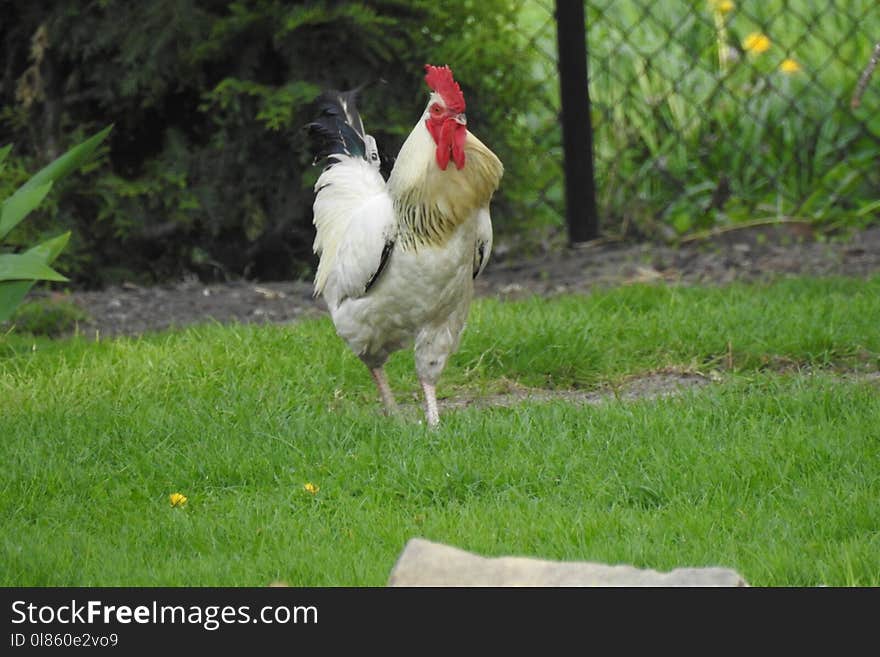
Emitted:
<point x="442" y="155"/>
<point x="459" y="137"/>
<point x="450" y="137"/>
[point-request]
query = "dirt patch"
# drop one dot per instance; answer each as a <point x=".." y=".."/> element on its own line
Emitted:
<point x="750" y="254"/>
<point x="648" y="386"/>
<point x="131" y="309"/>
<point x="652" y="385"/>
<point x="754" y="253"/>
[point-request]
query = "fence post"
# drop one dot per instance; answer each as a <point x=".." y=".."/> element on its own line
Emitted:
<point x="577" y="130"/>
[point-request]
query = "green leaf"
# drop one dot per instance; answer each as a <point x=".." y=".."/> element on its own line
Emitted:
<point x="51" y="248"/>
<point x="67" y="162"/>
<point x="26" y="267"/>
<point x="17" y="206"/>
<point x="865" y="210"/>
<point x="12" y="293"/>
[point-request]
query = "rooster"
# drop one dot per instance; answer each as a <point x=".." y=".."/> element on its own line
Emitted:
<point x="397" y="259"/>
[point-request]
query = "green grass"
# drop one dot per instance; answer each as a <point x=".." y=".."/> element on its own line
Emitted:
<point x="51" y="317"/>
<point x="774" y="474"/>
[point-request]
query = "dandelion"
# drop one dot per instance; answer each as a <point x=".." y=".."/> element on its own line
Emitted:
<point x="757" y="43"/>
<point x="722" y="6"/>
<point x="789" y="66"/>
<point x="177" y="499"/>
<point x="311" y="488"/>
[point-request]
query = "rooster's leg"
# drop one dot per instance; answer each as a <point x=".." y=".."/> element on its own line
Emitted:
<point x="384" y="390"/>
<point x="431" y="412"/>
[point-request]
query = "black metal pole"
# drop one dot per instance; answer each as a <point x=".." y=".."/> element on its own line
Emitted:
<point x="577" y="130"/>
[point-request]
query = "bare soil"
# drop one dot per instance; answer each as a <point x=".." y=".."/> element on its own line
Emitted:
<point x="652" y="385"/>
<point x="748" y="254"/>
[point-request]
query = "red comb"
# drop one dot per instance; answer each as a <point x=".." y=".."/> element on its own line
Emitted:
<point x="440" y="79"/>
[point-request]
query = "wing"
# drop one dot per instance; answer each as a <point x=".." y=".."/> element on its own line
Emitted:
<point x="356" y="228"/>
<point x="483" y="245"/>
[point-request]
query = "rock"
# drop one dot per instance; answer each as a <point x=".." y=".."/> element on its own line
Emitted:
<point x="424" y="563"/>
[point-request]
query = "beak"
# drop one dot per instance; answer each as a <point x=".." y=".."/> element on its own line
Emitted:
<point x="461" y="118"/>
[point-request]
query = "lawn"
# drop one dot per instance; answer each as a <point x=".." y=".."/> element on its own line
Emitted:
<point x="773" y="470"/>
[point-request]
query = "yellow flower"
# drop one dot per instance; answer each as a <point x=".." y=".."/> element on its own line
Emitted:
<point x="177" y="499"/>
<point x="311" y="488"/>
<point x="789" y="66"/>
<point x="722" y="6"/>
<point x="756" y="43"/>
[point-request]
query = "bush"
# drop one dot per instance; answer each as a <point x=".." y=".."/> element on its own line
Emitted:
<point x="207" y="170"/>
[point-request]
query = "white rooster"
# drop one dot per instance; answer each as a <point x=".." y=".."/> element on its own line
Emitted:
<point x="398" y="258"/>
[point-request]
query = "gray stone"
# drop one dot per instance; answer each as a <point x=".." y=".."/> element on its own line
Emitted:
<point x="424" y="563"/>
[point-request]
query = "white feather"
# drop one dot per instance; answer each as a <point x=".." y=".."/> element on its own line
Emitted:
<point x="354" y="218"/>
<point x="421" y="296"/>
<point x="372" y="151"/>
<point x="484" y="238"/>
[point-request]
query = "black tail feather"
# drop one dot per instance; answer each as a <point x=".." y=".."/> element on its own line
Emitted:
<point x="338" y="129"/>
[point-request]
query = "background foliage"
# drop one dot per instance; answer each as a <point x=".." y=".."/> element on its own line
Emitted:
<point x="713" y="113"/>
<point x="206" y="170"/>
<point x="706" y="113"/>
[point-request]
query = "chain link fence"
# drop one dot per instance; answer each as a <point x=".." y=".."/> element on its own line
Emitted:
<point x="708" y="113"/>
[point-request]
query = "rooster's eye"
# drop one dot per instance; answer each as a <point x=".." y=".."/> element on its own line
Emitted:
<point x="436" y="110"/>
